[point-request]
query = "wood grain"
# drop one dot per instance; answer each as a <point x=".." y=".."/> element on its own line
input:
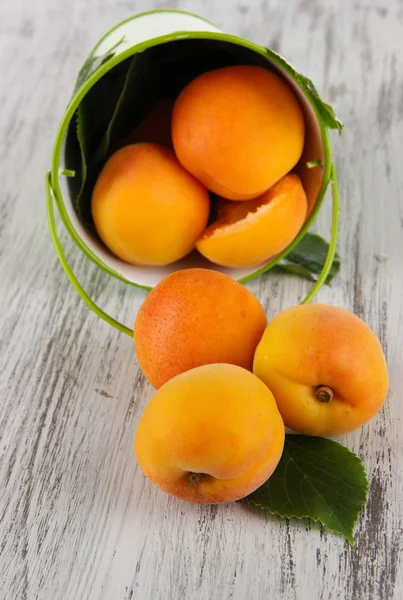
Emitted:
<point x="78" y="519"/>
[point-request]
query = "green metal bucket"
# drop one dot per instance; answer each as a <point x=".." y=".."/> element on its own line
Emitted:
<point x="180" y="35"/>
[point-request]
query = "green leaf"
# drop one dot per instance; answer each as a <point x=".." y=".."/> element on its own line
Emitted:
<point x="82" y="137"/>
<point x="324" y="111"/>
<point x="83" y="127"/>
<point x="319" y="479"/>
<point x="92" y="64"/>
<point x="135" y="93"/>
<point x="307" y="259"/>
<point x="93" y="117"/>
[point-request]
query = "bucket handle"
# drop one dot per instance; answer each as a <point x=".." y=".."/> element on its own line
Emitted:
<point x="331" y="253"/>
<point x="63" y="261"/>
<point x="108" y="319"/>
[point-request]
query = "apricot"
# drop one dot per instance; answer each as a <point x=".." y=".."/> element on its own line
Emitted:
<point x="196" y="317"/>
<point x="238" y="130"/>
<point x="248" y="233"/>
<point x="147" y="209"/>
<point x="325" y="367"/>
<point x="210" y="435"/>
<point x="155" y="127"/>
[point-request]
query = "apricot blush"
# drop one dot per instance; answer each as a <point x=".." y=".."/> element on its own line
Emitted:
<point x="196" y="317"/>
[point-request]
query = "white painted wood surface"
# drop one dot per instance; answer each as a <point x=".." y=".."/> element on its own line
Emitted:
<point x="78" y="519"/>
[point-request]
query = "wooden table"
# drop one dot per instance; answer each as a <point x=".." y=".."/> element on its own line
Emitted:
<point x="78" y="519"/>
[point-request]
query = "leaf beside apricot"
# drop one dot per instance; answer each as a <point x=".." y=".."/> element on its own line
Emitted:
<point x="319" y="479"/>
<point x="308" y="258"/>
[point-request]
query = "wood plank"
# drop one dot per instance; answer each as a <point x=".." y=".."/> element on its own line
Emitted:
<point x="78" y="519"/>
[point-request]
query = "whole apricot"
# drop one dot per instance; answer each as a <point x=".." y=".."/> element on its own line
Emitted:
<point x="248" y="233"/>
<point x="147" y="209"/>
<point x="210" y="435"/>
<point x="325" y="367"/>
<point x="238" y="130"/>
<point x="196" y="317"/>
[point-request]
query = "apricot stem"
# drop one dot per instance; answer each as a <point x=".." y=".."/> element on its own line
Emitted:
<point x="324" y="393"/>
<point x="195" y="478"/>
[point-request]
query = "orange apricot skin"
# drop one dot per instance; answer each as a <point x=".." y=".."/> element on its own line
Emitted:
<point x="238" y="130"/>
<point x="146" y="208"/>
<point x="267" y="225"/>
<point x="314" y="345"/>
<point x="195" y="317"/>
<point x="218" y="423"/>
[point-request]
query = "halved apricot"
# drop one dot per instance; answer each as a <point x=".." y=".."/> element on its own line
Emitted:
<point x="248" y="233"/>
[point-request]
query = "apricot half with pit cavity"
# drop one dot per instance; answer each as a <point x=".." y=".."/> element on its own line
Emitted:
<point x="246" y="234"/>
